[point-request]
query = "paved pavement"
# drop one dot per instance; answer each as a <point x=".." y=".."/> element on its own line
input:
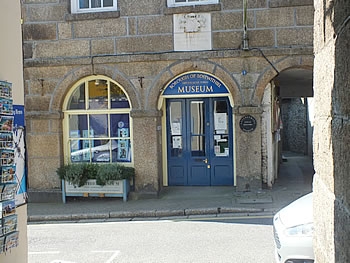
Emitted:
<point x="295" y="180"/>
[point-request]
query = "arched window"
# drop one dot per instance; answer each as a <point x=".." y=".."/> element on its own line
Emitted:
<point x="97" y="124"/>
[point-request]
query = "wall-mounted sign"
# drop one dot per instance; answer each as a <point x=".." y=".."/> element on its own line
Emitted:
<point x="247" y="123"/>
<point x="195" y="83"/>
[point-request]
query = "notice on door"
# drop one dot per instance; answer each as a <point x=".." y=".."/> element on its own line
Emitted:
<point x="177" y="142"/>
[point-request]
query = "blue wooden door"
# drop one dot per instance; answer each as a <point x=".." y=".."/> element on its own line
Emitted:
<point x="200" y="145"/>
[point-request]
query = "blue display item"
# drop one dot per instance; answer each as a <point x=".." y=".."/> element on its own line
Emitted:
<point x="18" y="113"/>
<point x="195" y="83"/>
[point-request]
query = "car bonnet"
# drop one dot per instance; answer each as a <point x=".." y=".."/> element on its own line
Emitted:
<point x="297" y="213"/>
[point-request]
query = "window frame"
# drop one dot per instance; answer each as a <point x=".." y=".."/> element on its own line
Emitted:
<point x="172" y="3"/>
<point x="76" y="10"/>
<point x="109" y="111"/>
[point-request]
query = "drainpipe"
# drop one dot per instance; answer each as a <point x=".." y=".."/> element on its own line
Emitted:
<point x="245" y="44"/>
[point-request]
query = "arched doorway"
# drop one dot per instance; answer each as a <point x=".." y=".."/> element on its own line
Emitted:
<point x="198" y="131"/>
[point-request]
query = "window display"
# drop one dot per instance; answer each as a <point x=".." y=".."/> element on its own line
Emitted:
<point x="101" y="132"/>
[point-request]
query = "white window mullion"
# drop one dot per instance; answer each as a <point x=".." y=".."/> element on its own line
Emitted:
<point x="76" y="8"/>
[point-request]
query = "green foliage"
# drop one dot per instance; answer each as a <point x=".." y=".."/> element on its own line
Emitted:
<point x="79" y="173"/>
<point x="113" y="171"/>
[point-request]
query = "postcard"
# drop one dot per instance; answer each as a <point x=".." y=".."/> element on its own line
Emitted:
<point x="8" y="191"/>
<point x="5" y="89"/>
<point x="11" y="240"/>
<point x="8" y="208"/>
<point x="6" y="123"/>
<point x="9" y="224"/>
<point x="6" y="140"/>
<point x="6" y="106"/>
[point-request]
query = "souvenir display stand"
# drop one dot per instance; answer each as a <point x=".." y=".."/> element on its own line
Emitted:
<point x="8" y="181"/>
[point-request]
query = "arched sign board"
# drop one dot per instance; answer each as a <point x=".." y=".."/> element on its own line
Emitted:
<point x="195" y="83"/>
<point x="247" y="123"/>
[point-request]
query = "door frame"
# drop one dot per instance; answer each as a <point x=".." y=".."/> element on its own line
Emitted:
<point x="162" y="107"/>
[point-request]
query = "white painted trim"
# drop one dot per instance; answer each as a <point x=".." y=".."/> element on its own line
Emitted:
<point x="76" y="10"/>
<point x="172" y="3"/>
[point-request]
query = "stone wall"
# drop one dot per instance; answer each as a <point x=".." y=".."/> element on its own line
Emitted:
<point x="136" y="42"/>
<point x="294" y="119"/>
<point x="332" y="131"/>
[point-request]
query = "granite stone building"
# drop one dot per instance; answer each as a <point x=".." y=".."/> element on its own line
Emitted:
<point x="332" y="131"/>
<point x="186" y="92"/>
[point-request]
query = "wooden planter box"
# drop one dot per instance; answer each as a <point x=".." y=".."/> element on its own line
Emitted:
<point x="114" y="188"/>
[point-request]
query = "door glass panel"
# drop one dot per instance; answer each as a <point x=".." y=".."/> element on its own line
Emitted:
<point x="221" y="143"/>
<point x="197" y="128"/>
<point x="198" y="145"/>
<point x="175" y="112"/>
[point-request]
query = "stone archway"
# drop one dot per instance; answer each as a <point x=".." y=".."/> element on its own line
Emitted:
<point x="197" y="65"/>
<point x="75" y="75"/>
<point x="303" y="62"/>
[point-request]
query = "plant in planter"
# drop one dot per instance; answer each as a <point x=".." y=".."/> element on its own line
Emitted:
<point x="113" y="171"/>
<point x="79" y="173"/>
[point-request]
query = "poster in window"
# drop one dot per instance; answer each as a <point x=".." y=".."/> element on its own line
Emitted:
<point x="123" y="132"/>
<point x="220" y="121"/>
<point x="176" y="128"/>
<point x="86" y="144"/>
<point x="74" y="144"/>
<point x="123" y="150"/>
<point x="177" y="142"/>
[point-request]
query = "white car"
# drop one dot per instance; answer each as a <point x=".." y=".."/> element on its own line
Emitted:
<point x="293" y="227"/>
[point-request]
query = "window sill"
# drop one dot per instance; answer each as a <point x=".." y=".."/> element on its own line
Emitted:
<point x="92" y="15"/>
<point x="192" y="9"/>
<point x="288" y="3"/>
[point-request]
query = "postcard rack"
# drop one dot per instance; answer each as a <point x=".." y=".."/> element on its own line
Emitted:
<point x="8" y="182"/>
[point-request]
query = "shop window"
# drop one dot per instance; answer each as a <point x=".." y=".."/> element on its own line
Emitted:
<point x="87" y="6"/>
<point x="174" y="3"/>
<point x="97" y="122"/>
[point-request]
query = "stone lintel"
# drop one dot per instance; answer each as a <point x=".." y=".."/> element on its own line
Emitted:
<point x="191" y="9"/>
<point x="166" y="55"/>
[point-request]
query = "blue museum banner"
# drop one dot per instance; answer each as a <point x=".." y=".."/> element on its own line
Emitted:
<point x="195" y="83"/>
<point x="20" y="156"/>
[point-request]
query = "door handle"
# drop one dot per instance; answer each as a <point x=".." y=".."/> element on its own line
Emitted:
<point x="205" y="160"/>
